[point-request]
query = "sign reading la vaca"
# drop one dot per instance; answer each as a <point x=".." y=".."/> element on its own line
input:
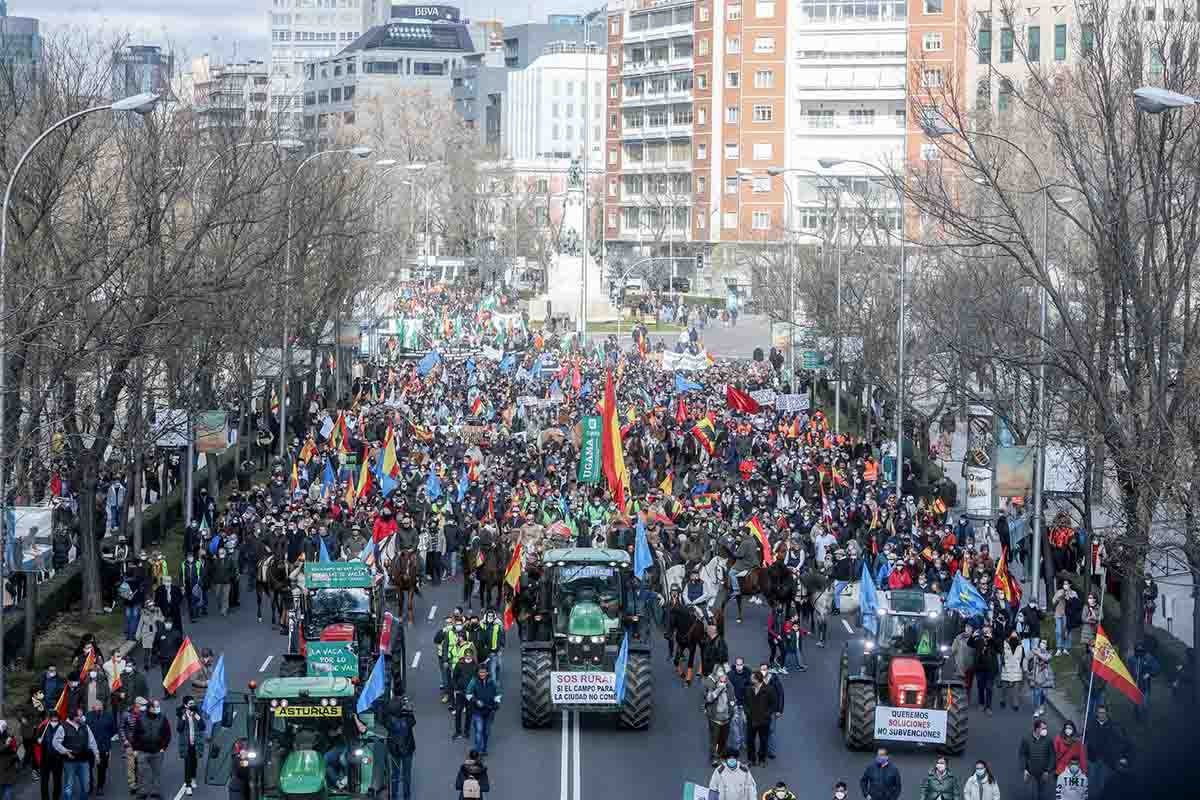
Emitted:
<point x="923" y="725"/>
<point x="583" y="688"/>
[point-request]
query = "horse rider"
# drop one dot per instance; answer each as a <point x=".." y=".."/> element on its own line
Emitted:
<point x="696" y="593"/>
<point x="747" y="557"/>
<point x="691" y="549"/>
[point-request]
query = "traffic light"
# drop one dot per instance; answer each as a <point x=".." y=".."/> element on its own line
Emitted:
<point x="699" y="261"/>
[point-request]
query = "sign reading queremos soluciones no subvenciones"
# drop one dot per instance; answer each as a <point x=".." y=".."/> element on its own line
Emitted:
<point x="921" y="725"/>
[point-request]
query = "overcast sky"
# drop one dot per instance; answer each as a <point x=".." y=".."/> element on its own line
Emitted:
<point x="194" y="27"/>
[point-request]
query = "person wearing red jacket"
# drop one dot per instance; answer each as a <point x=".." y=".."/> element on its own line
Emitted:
<point x="385" y="526"/>
<point x="900" y="577"/>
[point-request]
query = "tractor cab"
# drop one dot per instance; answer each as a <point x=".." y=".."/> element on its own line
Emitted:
<point x="298" y="738"/>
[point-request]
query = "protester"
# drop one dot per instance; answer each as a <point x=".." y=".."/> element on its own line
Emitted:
<point x="1037" y="757"/>
<point x="940" y="783"/>
<point x="472" y="781"/>
<point x="1067" y="746"/>
<point x="981" y="785"/>
<point x="719" y="702"/>
<point x="103" y="724"/>
<point x="881" y="779"/>
<point x="732" y="780"/>
<point x="76" y="746"/>
<point x="191" y="727"/>
<point x="10" y="761"/>
<point x="151" y="737"/>
<point x="402" y="745"/>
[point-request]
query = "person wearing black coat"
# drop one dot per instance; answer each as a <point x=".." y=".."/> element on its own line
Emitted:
<point x="714" y="650"/>
<point x="10" y="762"/>
<point x="760" y="704"/>
<point x="169" y="598"/>
<point x="987" y="665"/>
<point x="472" y="768"/>
<point x="776" y="686"/>
<point x="1037" y="758"/>
<point x="166" y="646"/>
<point x="881" y="780"/>
<point x="103" y="723"/>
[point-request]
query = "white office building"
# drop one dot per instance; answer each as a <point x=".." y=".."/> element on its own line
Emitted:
<point x="555" y="106"/>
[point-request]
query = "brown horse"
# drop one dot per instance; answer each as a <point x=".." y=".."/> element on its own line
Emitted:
<point x="485" y="563"/>
<point x="404" y="573"/>
<point x="754" y="583"/>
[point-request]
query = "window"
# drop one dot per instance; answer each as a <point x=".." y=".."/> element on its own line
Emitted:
<point x="570" y="133"/>
<point x="614" y="59"/>
<point x="612" y="121"/>
<point x="1149" y="14"/>
<point x="554" y="131"/>
<point x="682" y="115"/>
<point x="554" y="110"/>
<point x="703" y="47"/>
<point x="731" y="151"/>
<point x="929" y="151"/>
<point x="700" y="217"/>
<point x="983" y="95"/>
<point x="764" y="44"/>
<point x="612" y="222"/>
<point x="764" y="9"/>
<point x="763" y="151"/>
<point x="1156" y="63"/>
<point x="731" y="80"/>
<point x="570" y="110"/>
<point x="820" y="118"/>
<point x="701" y="116"/>
<point x="731" y="115"/>
<point x="984" y="42"/>
<point x="612" y="156"/>
<point x="731" y="185"/>
<point x="761" y="183"/>
<point x="614" y="27"/>
<point x="335" y="94"/>
<point x="1087" y="40"/>
<point x="729" y="220"/>
<point x="612" y="90"/>
<point x="760" y="220"/>
<point x="701" y="152"/>
<point x="701" y="185"/>
<point x="733" y="45"/>
<point x="934" y="6"/>
<point x="862" y="117"/>
<point x="1035" y="44"/>
<point x="932" y="78"/>
<point x="612" y="187"/>
<point x="733" y="12"/>
<point x="1004" y="98"/>
<point x="704" y="13"/>
<point x="1006" y="45"/>
<point x="932" y="42"/>
<point x="764" y="79"/>
<point x="1060" y="43"/>
<point x="763" y="113"/>
<point x="702" y="80"/>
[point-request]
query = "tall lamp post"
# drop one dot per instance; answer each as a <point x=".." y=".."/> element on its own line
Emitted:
<point x="140" y="104"/>
<point x="285" y="356"/>
<point x="829" y="163"/>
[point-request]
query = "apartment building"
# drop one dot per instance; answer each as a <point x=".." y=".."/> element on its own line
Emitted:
<point x="555" y="106"/>
<point x="226" y="96"/>
<point x="1004" y="48"/>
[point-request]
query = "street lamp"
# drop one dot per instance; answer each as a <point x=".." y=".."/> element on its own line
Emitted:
<point x="1153" y="100"/>
<point x="285" y="360"/>
<point x="829" y="163"/>
<point x="139" y="104"/>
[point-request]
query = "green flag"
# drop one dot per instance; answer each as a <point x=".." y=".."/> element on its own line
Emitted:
<point x="590" y="452"/>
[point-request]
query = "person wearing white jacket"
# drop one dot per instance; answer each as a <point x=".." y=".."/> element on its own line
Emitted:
<point x="982" y="784"/>
<point x="1012" y="671"/>
<point x="733" y="780"/>
<point x="1072" y="784"/>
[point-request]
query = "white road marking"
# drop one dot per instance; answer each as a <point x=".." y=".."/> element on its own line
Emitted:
<point x="179" y="794"/>
<point x="849" y="630"/>
<point x="432" y="612"/>
<point x="576" y="735"/>
<point x="416" y="660"/>
<point x="263" y="668"/>
<point x="563" y="782"/>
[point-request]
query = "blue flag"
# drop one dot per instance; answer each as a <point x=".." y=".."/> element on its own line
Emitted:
<point x="427" y="363"/>
<point x="463" y="484"/>
<point x="387" y="484"/>
<point x="213" y="705"/>
<point x="682" y="385"/>
<point x="620" y="668"/>
<point x="537" y="367"/>
<point x="965" y="598"/>
<point x="868" y="601"/>
<point x="328" y="479"/>
<point x="433" y="486"/>
<point x="374" y="688"/>
<point x="325" y="559"/>
<point x="885" y="570"/>
<point x="642" y="558"/>
<point x="508" y="363"/>
<point x="367" y="551"/>
<point x="586" y="389"/>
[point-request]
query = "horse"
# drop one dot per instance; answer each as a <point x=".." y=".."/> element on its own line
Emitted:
<point x="815" y="595"/>
<point x="484" y="563"/>
<point x="685" y="626"/>
<point x="753" y="583"/>
<point x="404" y="573"/>
<point x="781" y="584"/>
<point x="263" y="582"/>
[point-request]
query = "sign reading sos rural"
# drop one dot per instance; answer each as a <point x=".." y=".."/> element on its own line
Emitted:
<point x="583" y="688"/>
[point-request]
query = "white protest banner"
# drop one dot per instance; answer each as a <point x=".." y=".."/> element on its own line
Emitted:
<point x="326" y="427"/>
<point x="492" y="353"/>
<point x="791" y="403"/>
<point x="764" y="397"/>
<point x="583" y="688"/>
<point x="684" y="361"/>
<point x="923" y="725"/>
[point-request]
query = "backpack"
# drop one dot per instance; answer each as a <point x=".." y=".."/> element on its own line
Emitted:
<point x="471" y="790"/>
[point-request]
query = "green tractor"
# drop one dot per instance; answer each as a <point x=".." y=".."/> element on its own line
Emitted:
<point x="902" y="685"/>
<point x="340" y="626"/>
<point x="298" y="738"/>
<point x="584" y="616"/>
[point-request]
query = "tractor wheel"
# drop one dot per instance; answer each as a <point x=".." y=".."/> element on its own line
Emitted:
<point x="292" y="668"/>
<point x="956" y="722"/>
<point x="843" y="685"/>
<point x="536" y="707"/>
<point x="638" y="705"/>
<point x="858" y="727"/>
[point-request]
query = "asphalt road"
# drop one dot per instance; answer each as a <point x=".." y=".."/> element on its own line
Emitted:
<point x="588" y="758"/>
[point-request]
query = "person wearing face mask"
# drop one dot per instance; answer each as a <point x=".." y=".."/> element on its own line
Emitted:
<point x="940" y="783"/>
<point x="221" y="573"/>
<point x="464" y="672"/>
<point x="10" y="762"/>
<point x="981" y="785"/>
<point x="194" y="583"/>
<point x="76" y="746"/>
<point x="881" y="779"/>
<point x="103" y="724"/>
<point x="190" y="727"/>
<point x="987" y="664"/>
<point x="1072" y="784"/>
<point x="166" y="647"/>
<point x="1089" y="621"/>
<point x="779" y="791"/>
<point x="49" y="762"/>
<point x="840" y="790"/>
<point x="95" y="688"/>
<point x="732" y="780"/>
<point x="719" y="705"/>
<point x="151" y="737"/>
<point x="1067" y="746"/>
<point x="1037" y="758"/>
<point x="1012" y="671"/>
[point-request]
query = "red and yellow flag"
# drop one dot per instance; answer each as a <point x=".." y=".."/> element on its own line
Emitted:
<point x="60" y="708"/>
<point x="1108" y="665"/>
<point x="668" y="483"/>
<point x="1004" y="582"/>
<point x="364" y="476"/>
<point x="477" y="405"/>
<point x="703" y="431"/>
<point x="89" y="662"/>
<point x="756" y="529"/>
<point x="705" y="500"/>
<point x="295" y="483"/>
<point x="612" y="454"/>
<point x="512" y="575"/>
<point x="309" y="450"/>
<point x="116" y="682"/>
<point x="185" y="665"/>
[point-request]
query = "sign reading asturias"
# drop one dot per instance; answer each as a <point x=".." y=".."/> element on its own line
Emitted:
<point x="309" y="712"/>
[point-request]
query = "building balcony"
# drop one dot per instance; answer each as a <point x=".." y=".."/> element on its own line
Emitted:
<point x="656" y="66"/>
<point x="643" y="167"/>
<point x="677" y="31"/>
<point x="656" y="98"/>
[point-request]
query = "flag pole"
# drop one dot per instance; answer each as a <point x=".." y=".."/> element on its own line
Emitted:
<point x="1088" y="701"/>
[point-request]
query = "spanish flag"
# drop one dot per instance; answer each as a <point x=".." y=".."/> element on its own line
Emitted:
<point x="1004" y="582"/>
<point x="364" y="476"/>
<point x="512" y="575"/>
<point x="668" y="483"/>
<point x="1107" y="664"/>
<point x="422" y="433"/>
<point x="295" y="477"/>
<point x="391" y="464"/>
<point x="186" y="664"/>
<point x="703" y="431"/>
<point x="477" y="405"/>
<point x="939" y="506"/>
<point x="89" y="663"/>
<point x="308" y="451"/>
<point x="60" y="708"/>
<point x="756" y="529"/>
<point x="349" y="493"/>
<point x="612" y="454"/>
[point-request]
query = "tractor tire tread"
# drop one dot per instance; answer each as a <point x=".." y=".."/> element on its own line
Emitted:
<point x="638" y="707"/>
<point x="536" y="708"/>
<point x="859" y="730"/>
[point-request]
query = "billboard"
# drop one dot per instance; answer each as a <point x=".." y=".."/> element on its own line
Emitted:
<point x="1064" y="470"/>
<point x="1015" y="468"/>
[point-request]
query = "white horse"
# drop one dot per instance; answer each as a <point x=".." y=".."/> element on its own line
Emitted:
<point x="712" y="575"/>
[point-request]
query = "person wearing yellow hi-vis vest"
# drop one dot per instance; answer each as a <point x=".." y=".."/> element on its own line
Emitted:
<point x="489" y="644"/>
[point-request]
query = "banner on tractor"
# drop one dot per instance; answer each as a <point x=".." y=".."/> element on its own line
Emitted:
<point x="583" y="688"/>
<point x="308" y="712"/>
<point x="338" y="575"/>
<point x="923" y="725"/>
<point x="331" y="660"/>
